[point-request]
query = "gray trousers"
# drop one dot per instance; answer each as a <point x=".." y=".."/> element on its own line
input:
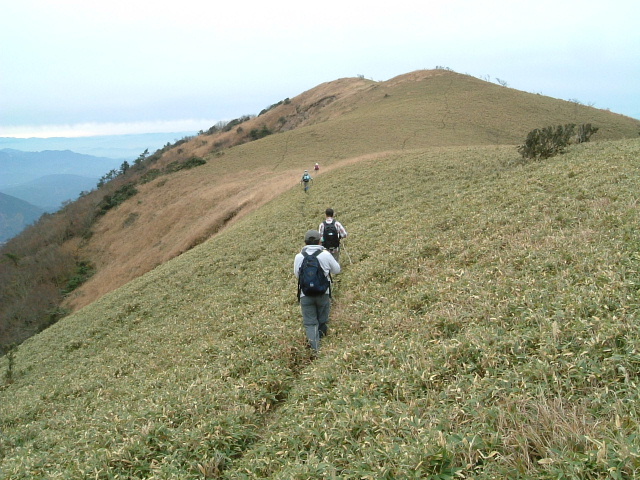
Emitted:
<point x="315" y="317"/>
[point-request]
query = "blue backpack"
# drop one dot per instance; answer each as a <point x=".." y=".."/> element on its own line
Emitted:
<point x="311" y="278"/>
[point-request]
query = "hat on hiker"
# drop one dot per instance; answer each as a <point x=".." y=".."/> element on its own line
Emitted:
<point x="311" y="237"/>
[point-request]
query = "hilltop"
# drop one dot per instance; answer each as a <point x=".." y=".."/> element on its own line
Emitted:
<point x="335" y="123"/>
<point x="485" y="325"/>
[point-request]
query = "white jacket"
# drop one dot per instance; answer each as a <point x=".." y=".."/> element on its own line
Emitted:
<point x="325" y="259"/>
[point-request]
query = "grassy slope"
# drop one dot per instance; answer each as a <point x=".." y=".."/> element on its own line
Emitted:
<point x="418" y="110"/>
<point x="485" y="323"/>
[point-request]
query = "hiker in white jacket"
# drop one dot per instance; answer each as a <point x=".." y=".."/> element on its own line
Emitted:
<point x="315" y="308"/>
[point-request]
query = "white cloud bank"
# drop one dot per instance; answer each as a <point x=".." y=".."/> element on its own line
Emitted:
<point x="98" y="129"/>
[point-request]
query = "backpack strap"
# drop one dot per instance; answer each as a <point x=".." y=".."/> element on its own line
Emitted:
<point x="304" y="255"/>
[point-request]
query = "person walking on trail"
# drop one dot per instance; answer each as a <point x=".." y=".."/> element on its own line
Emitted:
<point x="313" y="267"/>
<point x="332" y="232"/>
<point x="306" y="180"/>
<point x="316" y="167"/>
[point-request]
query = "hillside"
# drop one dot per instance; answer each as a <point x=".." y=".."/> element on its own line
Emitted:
<point x="485" y="326"/>
<point x="335" y="124"/>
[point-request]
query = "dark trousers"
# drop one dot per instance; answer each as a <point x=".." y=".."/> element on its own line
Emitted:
<point x="315" y="317"/>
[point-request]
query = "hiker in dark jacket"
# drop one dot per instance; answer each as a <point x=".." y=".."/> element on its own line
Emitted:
<point x="316" y="308"/>
<point x="332" y="244"/>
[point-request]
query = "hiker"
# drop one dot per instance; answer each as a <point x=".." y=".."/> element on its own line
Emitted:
<point x="306" y="179"/>
<point x="332" y="231"/>
<point x="315" y="303"/>
<point x="316" y="167"/>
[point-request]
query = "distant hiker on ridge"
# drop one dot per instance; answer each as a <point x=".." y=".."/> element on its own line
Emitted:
<point x="332" y="231"/>
<point x="313" y="267"/>
<point x="306" y="179"/>
<point x="316" y="167"/>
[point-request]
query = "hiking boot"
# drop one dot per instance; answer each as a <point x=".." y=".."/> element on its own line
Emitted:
<point x="323" y="330"/>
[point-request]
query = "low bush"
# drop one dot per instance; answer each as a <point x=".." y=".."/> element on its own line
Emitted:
<point x="550" y="141"/>
<point x="258" y="133"/>
<point x="191" y="163"/>
<point x="120" y="195"/>
<point x="84" y="271"/>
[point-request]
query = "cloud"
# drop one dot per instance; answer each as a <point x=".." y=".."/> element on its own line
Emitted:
<point x="113" y="128"/>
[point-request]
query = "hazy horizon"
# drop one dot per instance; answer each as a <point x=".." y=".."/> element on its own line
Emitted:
<point x="118" y="146"/>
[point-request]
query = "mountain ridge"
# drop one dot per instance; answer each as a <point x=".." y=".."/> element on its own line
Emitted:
<point x="336" y="123"/>
<point x="484" y="325"/>
<point x="361" y="116"/>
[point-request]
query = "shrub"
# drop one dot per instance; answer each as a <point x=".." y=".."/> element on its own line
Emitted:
<point x="584" y="132"/>
<point x="257" y="134"/>
<point x="52" y="316"/>
<point x="150" y="175"/>
<point x="191" y="163"/>
<point x="549" y="141"/>
<point x="234" y="123"/>
<point x="286" y="101"/>
<point x="84" y="270"/>
<point x="10" y="352"/>
<point x="119" y="196"/>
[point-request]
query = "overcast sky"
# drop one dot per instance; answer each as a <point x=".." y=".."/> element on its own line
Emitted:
<point x="71" y="67"/>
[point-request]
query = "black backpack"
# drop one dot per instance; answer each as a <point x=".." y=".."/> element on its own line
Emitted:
<point x="311" y="278"/>
<point x="330" y="237"/>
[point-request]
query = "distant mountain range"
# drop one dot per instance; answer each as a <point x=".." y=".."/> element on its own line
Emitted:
<point x="38" y="175"/>
<point x="37" y="182"/>
<point x="51" y="191"/>
<point x="18" y="167"/>
<point x="121" y="147"/>
<point x="15" y="215"/>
